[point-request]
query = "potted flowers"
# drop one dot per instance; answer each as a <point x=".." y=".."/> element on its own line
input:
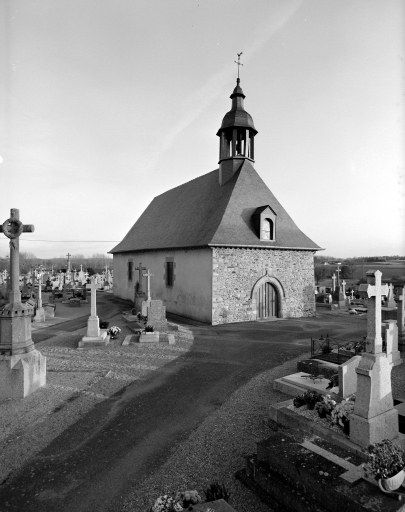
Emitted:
<point x="311" y="397"/>
<point x="325" y="406"/>
<point x="299" y="400"/>
<point x="340" y="415"/>
<point x="386" y="462"/>
<point x="113" y="332"/>
<point x="177" y="503"/>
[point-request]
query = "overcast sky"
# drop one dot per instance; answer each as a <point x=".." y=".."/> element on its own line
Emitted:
<point x="105" y="104"/>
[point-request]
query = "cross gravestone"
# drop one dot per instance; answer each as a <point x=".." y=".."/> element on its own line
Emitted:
<point x="22" y="367"/>
<point x="146" y="303"/>
<point x="333" y="283"/>
<point x="401" y="318"/>
<point x="374" y="417"/>
<point x="139" y="295"/>
<point x="40" y="312"/>
<point x="94" y="337"/>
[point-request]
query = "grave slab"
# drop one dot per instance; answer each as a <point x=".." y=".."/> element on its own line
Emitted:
<point x="300" y="382"/>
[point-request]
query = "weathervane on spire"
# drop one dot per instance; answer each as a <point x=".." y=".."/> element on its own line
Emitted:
<point x="238" y="62"/>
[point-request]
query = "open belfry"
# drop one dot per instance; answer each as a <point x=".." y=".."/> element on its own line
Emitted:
<point x="22" y="367"/>
<point x="221" y="247"/>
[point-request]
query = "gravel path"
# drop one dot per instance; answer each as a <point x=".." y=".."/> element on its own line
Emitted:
<point x="77" y="380"/>
<point x="216" y="450"/>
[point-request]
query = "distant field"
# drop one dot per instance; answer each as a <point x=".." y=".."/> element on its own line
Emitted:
<point x="388" y="269"/>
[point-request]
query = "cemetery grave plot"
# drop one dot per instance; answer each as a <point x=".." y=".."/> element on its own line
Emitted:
<point x="334" y="350"/>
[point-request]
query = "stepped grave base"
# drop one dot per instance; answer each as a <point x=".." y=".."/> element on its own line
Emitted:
<point x="310" y="468"/>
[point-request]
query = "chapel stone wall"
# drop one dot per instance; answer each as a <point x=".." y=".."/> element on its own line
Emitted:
<point x="236" y="270"/>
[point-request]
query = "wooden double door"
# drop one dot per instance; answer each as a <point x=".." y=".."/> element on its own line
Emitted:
<point x="267" y="301"/>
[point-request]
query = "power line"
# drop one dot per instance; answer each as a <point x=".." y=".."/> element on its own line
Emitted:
<point x="72" y="241"/>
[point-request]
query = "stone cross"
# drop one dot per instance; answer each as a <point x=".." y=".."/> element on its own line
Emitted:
<point x="344" y="288"/>
<point x="148" y="275"/>
<point x="338" y="270"/>
<point x="39" y="276"/>
<point x="401" y="317"/>
<point x="13" y="228"/>
<point x="374" y="292"/>
<point x="374" y="417"/>
<point x="333" y="282"/>
<point x="141" y="269"/>
<point x="93" y="308"/>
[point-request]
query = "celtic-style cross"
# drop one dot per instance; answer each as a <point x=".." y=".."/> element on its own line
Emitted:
<point x="238" y="62"/>
<point x="13" y="228"/>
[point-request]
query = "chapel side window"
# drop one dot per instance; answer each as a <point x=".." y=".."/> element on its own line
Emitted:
<point x="130" y="270"/>
<point x="169" y="273"/>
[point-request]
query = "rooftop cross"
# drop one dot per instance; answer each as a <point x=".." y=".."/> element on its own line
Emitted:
<point x="238" y="62"/>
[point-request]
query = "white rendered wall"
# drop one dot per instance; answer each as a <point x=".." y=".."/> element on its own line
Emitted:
<point x="191" y="294"/>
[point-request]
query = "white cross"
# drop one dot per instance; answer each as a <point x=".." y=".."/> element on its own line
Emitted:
<point x="148" y="275"/>
<point x="374" y="292"/>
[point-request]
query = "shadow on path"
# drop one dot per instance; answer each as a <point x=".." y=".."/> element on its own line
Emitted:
<point x="95" y="463"/>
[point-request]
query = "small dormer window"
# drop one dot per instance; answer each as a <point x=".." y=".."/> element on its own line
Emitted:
<point x="267" y="229"/>
<point x="264" y="222"/>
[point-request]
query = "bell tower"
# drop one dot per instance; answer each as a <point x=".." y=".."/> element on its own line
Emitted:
<point x="236" y="136"/>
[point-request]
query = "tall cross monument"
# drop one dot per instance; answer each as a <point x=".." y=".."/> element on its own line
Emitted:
<point x="374" y="417"/>
<point x="148" y="275"/>
<point x="22" y="368"/>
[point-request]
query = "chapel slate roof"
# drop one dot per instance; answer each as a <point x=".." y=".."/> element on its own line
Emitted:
<point x="202" y="213"/>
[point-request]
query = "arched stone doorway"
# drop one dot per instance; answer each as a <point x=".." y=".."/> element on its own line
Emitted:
<point x="266" y="301"/>
<point x="268" y="298"/>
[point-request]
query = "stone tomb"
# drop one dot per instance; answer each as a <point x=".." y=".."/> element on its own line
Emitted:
<point x="304" y="463"/>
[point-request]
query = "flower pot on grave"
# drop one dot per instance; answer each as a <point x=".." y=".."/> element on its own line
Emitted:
<point x="392" y="483"/>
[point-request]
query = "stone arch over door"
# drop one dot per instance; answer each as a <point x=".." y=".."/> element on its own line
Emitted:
<point x="278" y="289"/>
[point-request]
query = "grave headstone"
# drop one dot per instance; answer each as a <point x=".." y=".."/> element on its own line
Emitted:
<point x="156" y="313"/>
<point x="391" y="342"/>
<point x="390" y="301"/>
<point x="348" y="377"/>
<point x="374" y="417"/>
<point x="22" y="367"/>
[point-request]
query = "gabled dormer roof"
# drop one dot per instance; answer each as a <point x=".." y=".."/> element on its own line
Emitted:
<point x="202" y="213"/>
<point x="262" y="209"/>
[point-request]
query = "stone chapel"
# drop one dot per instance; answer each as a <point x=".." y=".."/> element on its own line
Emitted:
<point x="221" y="248"/>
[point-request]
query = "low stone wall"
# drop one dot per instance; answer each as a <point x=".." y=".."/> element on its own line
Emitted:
<point x="236" y="270"/>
